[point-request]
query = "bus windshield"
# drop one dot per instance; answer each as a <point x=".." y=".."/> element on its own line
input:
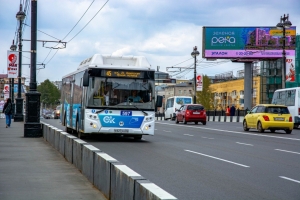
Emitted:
<point x="120" y="93"/>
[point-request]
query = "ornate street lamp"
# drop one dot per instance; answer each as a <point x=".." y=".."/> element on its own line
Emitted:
<point x="19" y="117"/>
<point x="283" y="24"/>
<point x="194" y="54"/>
<point x="32" y="125"/>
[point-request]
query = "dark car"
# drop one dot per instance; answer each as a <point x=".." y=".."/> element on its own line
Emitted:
<point x="191" y="113"/>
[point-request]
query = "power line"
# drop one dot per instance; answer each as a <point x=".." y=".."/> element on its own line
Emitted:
<point x="90" y="20"/>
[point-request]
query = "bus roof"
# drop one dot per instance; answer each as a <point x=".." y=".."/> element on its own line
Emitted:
<point x="284" y="89"/>
<point x="98" y="60"/>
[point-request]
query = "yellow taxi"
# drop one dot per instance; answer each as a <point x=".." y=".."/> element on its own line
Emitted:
<point x="269" y="117"/>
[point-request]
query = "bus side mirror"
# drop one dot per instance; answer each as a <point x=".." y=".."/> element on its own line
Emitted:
<point x="85" y="80"/>
<point x="159" y="101"/>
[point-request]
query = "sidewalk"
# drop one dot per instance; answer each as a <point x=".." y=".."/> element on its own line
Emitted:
<point x="30" y="169"/>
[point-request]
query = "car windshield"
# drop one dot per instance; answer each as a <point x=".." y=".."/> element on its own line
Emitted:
<point x="277" y="110"/>
<point x="195" y="107"/>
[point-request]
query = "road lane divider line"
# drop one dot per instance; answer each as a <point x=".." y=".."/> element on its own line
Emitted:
<point x="244" y="144"/>
<point x="286" y="151"/>
<point x="167" y="131"/>
<point x="188" y="135"/>
<point x="243" y="133"/>
<point x="289" y="179"/>
<point x="217" y="158"/>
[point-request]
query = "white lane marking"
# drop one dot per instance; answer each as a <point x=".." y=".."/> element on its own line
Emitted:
<point x="210" y="138"/>
<point x="251" y="134"/>
<point x="287" y="151"/>
<point x="188" y="135"/>
<point x="289" y="179"/>
<point x="166" y="131"/>
<point x="204" y="137"/>
<point x="244" y="144"/>
<point x="217" y="158"/>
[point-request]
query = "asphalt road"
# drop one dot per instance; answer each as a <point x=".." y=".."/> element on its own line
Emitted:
<point x="216" y="161"/>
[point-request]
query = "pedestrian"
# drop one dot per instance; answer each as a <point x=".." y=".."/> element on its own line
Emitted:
<point x="232" y="110"/>
<point x="227" y="111"/>
<point x="7" y="110"/>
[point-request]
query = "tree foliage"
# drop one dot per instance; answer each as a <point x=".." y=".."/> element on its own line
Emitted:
<point x="205" y="97"/>
<point x="50" y="95"/>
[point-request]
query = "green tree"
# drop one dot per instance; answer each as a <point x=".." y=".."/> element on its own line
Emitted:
<point x="50" y="95"/>
<point x="205" y="97"/>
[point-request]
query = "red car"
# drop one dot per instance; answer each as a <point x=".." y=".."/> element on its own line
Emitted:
<point x="191" y="113"/>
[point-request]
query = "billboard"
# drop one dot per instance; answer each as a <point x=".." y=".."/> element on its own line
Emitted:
<point x="247" y="42"/>
<point x="290" y="69"/>
<point x="12" y="64"/>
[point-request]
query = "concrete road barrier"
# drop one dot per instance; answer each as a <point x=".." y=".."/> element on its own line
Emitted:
<point x="88" y="160"/>
<point x="77" y="153"/>
<point x="144" y="189"/>
<point x="102" y="171"/>
<point x="57" y="138"/>
<point x="122" y="182"/>
<point x="62" y="142"/>
<point x="114" y="179"/>
<point x="69" y="148"/>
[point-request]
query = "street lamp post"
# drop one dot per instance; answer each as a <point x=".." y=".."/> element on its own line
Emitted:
<point x="194" y="54"/>
<point x="283" y="24"/>
<point x="32" y="125"/>
<point x="13" y="47"/>
<point x="19" y="100"/>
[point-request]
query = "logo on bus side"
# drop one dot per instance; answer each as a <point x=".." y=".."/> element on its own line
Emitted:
<point x="109" y="120"/>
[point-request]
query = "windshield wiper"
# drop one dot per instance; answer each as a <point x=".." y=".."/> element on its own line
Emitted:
<point x="146" y="114"/>
<point x="99" y="111"/>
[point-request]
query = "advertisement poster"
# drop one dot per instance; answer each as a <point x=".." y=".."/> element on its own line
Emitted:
<point x="12" y="64"/>
<point x="199" y="80"/>
<point x="247" y="42"/>
<point x="6" y="89"/>
<point x="290" y="69"/>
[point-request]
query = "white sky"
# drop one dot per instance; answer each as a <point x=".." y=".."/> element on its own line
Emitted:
<point x="164" y="31"/>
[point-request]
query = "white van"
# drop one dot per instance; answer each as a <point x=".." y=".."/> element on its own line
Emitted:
<point x="290" y="98"/>
<point x="173" y="103"/>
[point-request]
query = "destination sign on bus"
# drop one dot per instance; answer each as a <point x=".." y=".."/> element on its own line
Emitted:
<point x="122" y="73"/>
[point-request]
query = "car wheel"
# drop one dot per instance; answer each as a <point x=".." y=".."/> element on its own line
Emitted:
<point x="176" y="120"/>
<point x="272" y="130"/>
<point x="196" y="122"/>
<point x="184" y="120"/>
<point x="245" y="126"/>
<point x="288" y="131"/>
<point x="204" y="123"/>
<point x="259" y="127"/>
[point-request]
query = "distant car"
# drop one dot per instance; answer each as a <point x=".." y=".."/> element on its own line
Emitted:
<point x="47" y="115"/>
<point x="191" y="113"/>
<point x="269" y="117"/>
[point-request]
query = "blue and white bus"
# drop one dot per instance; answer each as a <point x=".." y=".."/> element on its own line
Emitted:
<point x="100" y="97"/>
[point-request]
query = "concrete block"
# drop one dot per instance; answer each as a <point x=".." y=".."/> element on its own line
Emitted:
<point x="102" y="173"/>
<point x="49" y="133"/>
<point x="211" y="118"/>
<point x="88" y="157"/>
<point x="222" y="118"/>
<point x="234" y="118"/>
<point x="56" y="138"/>
<point x="69" y="148"/>
<point x="52" y="136"/>
<point x="62" y="142"/>
<point x="241" y="119"/>
<point x="122" y="182"/>
<point x="144" y="189"/>
<point x="227" y="118"/>
<point x="77" y="153"/>
<point x="44" y="127"/>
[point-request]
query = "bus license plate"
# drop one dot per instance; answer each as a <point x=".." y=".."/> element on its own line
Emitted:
<point x="278" y="118"/>
<point x="121" y="130"/>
